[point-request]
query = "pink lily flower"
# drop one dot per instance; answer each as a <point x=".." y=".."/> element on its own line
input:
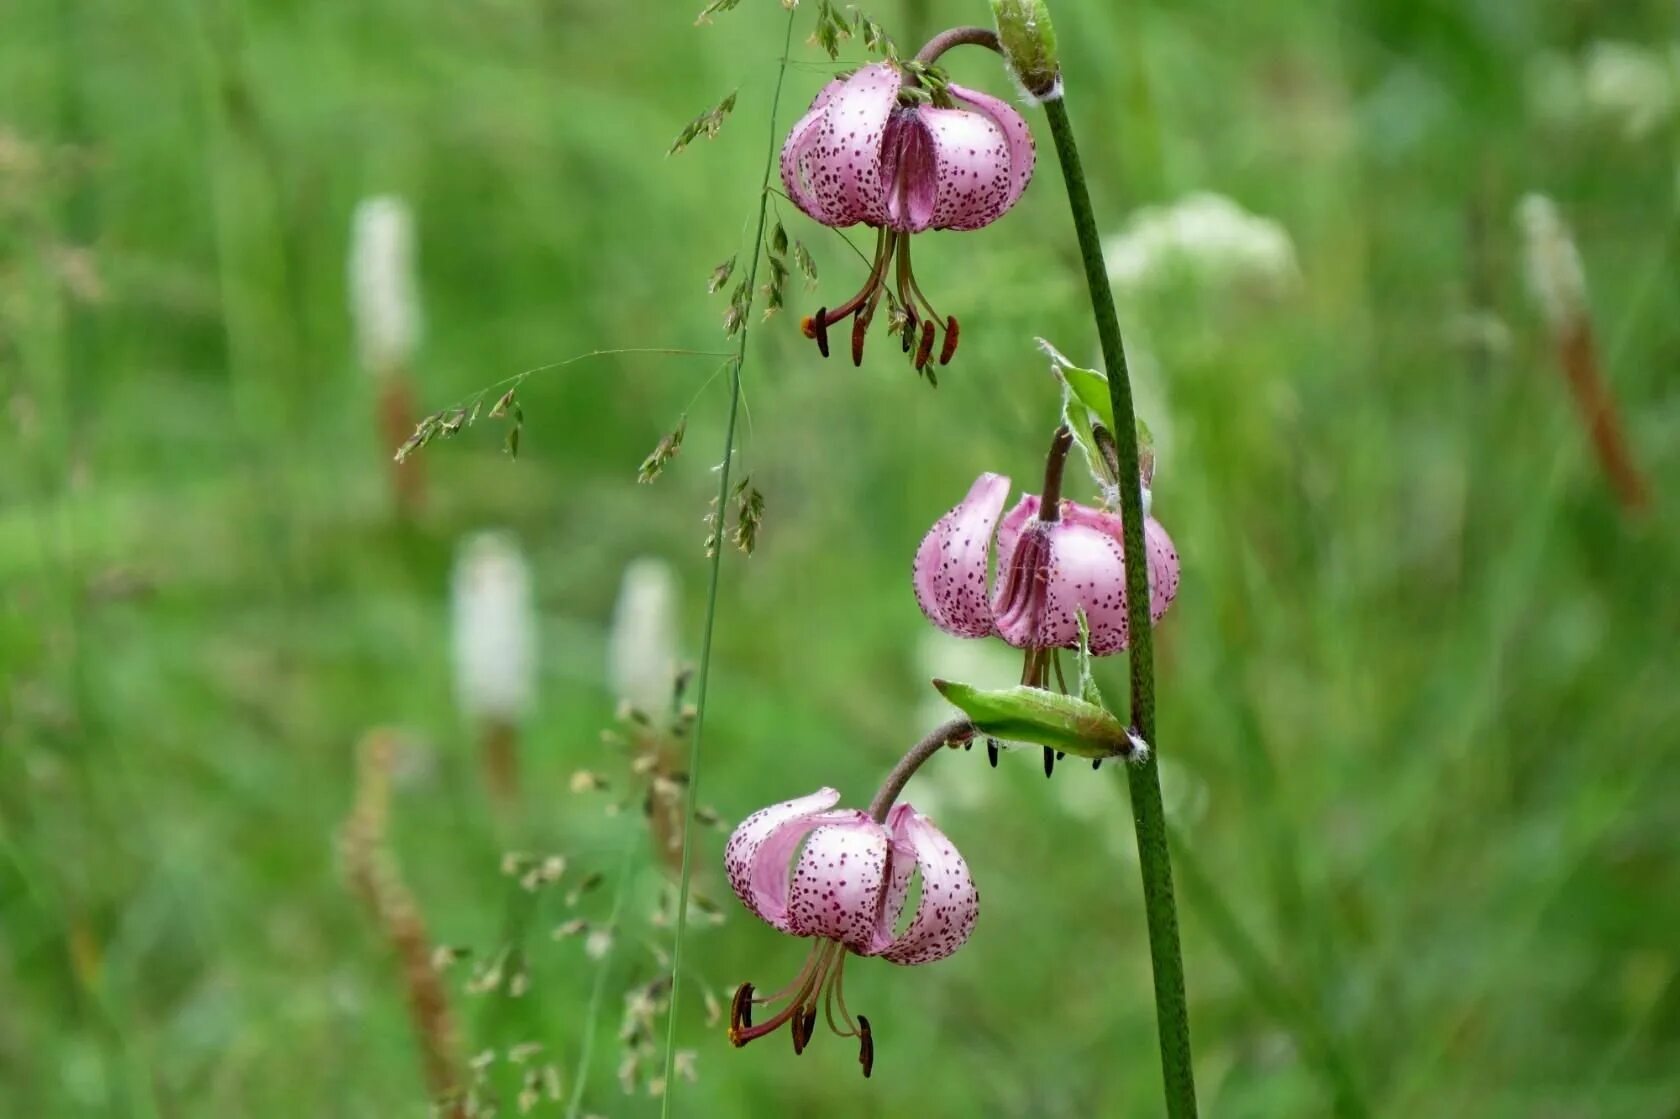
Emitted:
<point x="1048" y="568"/>
<point x="840" y="878"/>
<point x="902" y="159"/>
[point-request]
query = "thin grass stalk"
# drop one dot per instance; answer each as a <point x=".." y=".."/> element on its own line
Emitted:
<point x="704" y="675"/>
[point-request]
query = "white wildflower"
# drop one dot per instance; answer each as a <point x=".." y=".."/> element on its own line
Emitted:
<point x="494" y="629"/>
<point x="1207" y="236"/>
<point x="1555" y="277"/>
<point x="384" y="301"/>
<point x="642" y="645"/>
<point x="1632" y="88"/>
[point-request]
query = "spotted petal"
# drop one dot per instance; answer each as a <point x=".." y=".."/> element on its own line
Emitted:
<point x="985" y="155"/>
<point x="838" y="882"/>
<point x="949" y="904"/>
<point x="950" y="567"/>
<point x="796" y="172"/>
<point x="760" y="851"/>
<point x="1163" y="568"/>
<point x="1084" y="568"/>
<point x="831" y="161"/>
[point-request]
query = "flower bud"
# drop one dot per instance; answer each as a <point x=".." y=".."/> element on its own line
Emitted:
<point x="1029" y="46"/>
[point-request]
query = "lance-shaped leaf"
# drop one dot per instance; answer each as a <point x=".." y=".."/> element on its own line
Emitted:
<point x="1023" y="714"/>
<point x="1087" y="386"/>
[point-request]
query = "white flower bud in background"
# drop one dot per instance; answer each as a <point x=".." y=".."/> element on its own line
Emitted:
<point x="642" y="645"/>
<point x="1632" y="88"/>
<point x="1555" y="277"/>
<point x="1207" y="237"/>
<point x="494" y="629"/>
<point x="384" y="301"/>
<point x="1636" y="86"/>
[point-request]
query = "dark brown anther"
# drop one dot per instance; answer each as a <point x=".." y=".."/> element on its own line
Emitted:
<point x="816" y="326"/>
<point x="1096" y="763"/>
<point x="1049" y="761"/>
<point x="860" y="327"/>
<point x="949" y="349"/>
<point x="801" y="1027"/>
<point x="740" y="1014"/>
<point x="866" y="1047"/>
<point x="992" y="751"/>
<point x="925" y="349"/>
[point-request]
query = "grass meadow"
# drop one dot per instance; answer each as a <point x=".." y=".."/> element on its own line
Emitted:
<point x="1419" y="695"/>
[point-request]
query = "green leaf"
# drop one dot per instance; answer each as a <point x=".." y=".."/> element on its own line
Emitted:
<point x="1090" y="388"/>
<point x="1023" y="714"/>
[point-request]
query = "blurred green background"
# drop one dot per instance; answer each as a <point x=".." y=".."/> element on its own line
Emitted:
<point x="1418" y="694"/>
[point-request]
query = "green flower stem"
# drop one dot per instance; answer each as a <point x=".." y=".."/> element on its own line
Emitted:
<point x="953" y="733"/>
<point x="1171" y="1013"/>
<point x="705" y="673"/>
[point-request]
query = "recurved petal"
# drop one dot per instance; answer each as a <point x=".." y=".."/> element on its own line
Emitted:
<point x="1083" y="567"/>
<point x="949" y="904"/>
<point x="760" y="849"/>
<point x="798" y="172"/>
<point x="1163" y="568"/>
<point x="837" y="165"/>
<point x="909" y="172"/>
<point x="950" y="568"/>
<point x="838" y="882"/>
<point x="985" y="155"/>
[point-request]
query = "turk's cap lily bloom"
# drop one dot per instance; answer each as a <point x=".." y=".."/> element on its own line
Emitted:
<point x="860" y="154"/>
<point x="1047" y="571"/>
<point x="836" y="876"/>
<point x="903" y="159"/>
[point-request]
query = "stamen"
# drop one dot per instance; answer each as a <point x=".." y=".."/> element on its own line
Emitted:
<point x="740" y="1009"/>
<point x="810" y="979"/>
<point x="799" y="981"/>
<point x="866" y="1047"/>
<point x="837" y="992"/>
<point x="949" y="349"/>
<point x="1096" y="763"/>
<point x="860" y="326"/>
<point x="925" y="349"/>
<point x="884" y="243"/>
<point x="1049" y="761"/>
<point x="801" y="1032"/>
<point x="816" y="326"/>
<point x="805" y="1022"/>
<point x="992" y="751"/>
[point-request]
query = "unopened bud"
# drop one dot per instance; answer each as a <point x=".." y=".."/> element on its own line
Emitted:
<point x="1029" y="46"/>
